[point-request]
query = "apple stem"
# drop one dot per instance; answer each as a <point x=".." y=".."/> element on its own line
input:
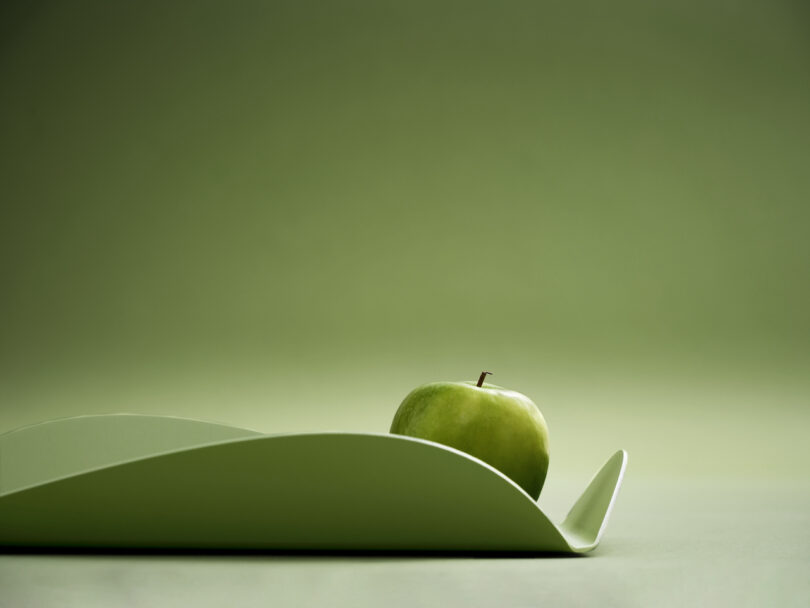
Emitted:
<point x="482" y="376"/>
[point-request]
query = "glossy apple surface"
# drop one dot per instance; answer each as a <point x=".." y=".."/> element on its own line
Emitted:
<point x="503" y="428"/>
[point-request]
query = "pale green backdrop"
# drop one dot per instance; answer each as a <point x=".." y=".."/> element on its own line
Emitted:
<point x="285" y="215"/>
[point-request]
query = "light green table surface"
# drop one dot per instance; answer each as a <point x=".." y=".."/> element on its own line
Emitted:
<point x="675" y="543"/>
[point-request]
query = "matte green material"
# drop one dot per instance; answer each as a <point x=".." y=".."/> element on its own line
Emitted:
<point x="38" y="453"/>
<point x="300" y="491"/>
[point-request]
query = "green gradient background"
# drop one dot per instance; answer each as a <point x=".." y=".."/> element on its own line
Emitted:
<point x="286" y="215"/>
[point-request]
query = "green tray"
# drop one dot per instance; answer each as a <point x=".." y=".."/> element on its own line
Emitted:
<point x="149" y="482"/>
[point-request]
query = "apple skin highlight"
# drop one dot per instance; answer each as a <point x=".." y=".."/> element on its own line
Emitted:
<point x="503" y="428"/>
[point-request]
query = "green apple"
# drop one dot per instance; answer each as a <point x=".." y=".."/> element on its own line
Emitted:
<point x="503" y="428"/>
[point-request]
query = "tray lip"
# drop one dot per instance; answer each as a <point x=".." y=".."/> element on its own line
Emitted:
<point x="259" y="437"/>
<point x="612" y="503"/>
<point x="572" y="538"/>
